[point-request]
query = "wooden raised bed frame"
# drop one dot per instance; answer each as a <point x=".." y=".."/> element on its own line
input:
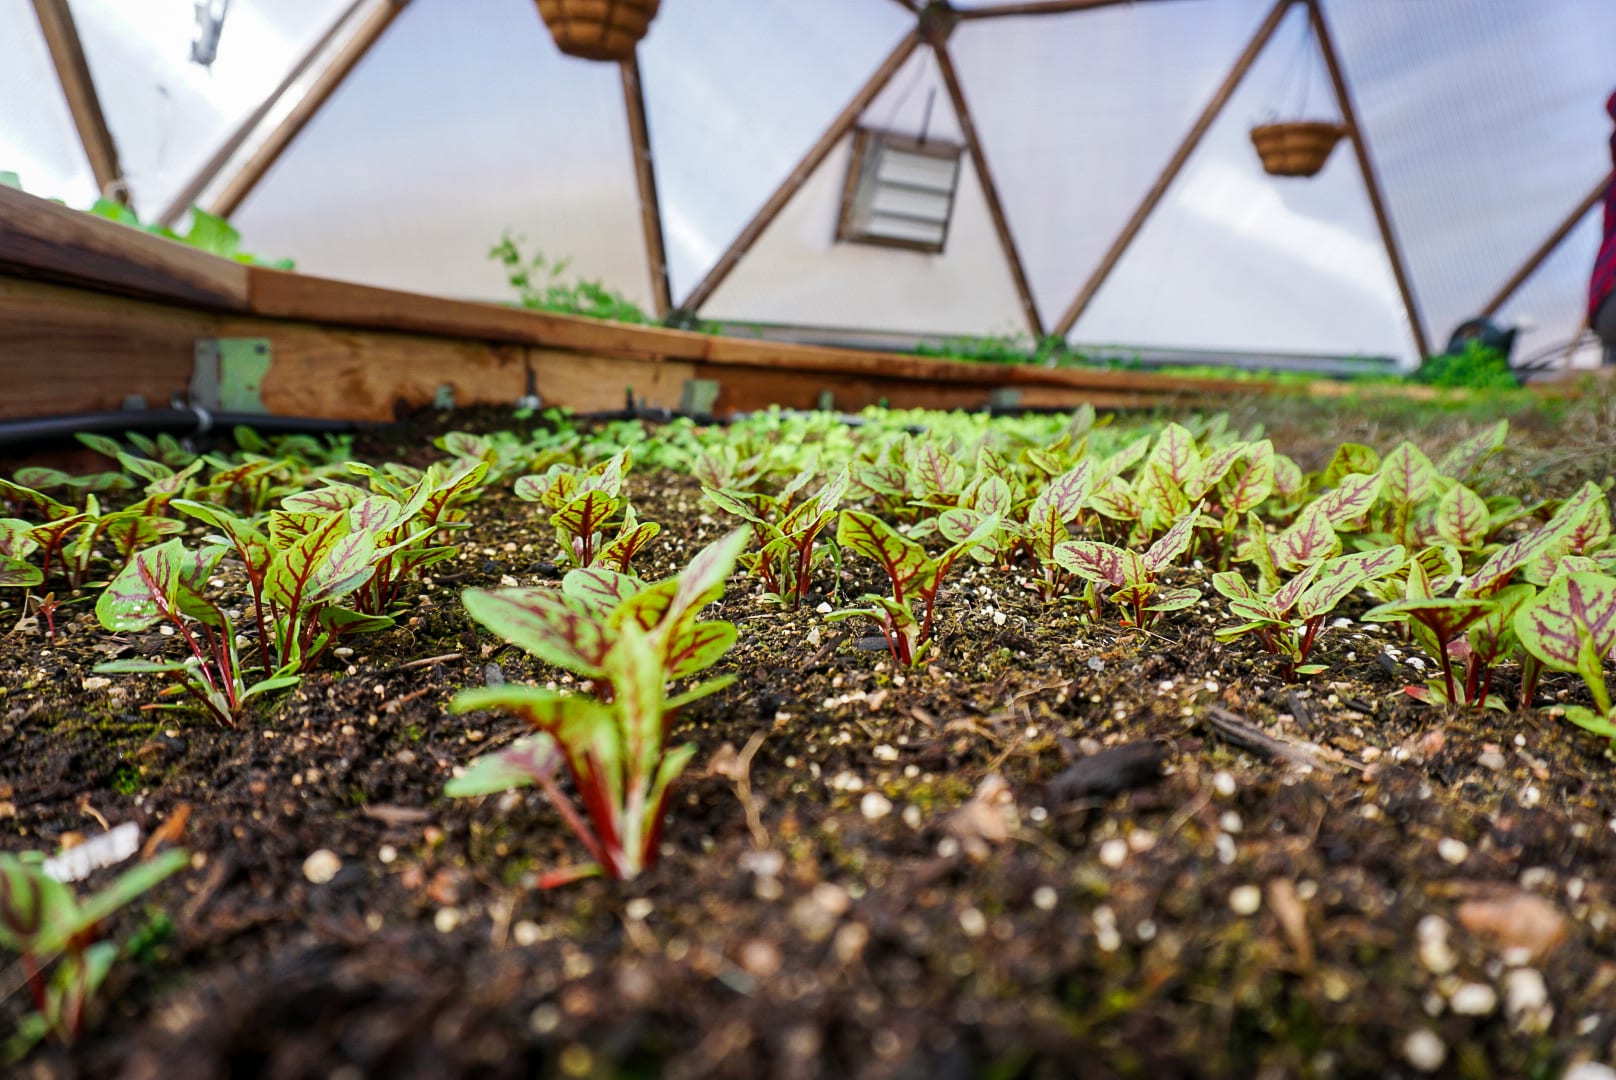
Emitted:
<point x="93" y="313"/>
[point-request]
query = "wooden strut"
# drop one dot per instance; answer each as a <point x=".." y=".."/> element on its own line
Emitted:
<point x="242" y="183"/>
<point x="639" y="133"/>
<point x="78" y="86"/>
<point x="1175" y="165"/>
<point x="1366" y="166"/>
<point x="1548" y="247"/>
<point x="990" y="190"/>
<point x="210" y="170"/>
<point x="839" y="127"/>
<point x="1036" y="7"/>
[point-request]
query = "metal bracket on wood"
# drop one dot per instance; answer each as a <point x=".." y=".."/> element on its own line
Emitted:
<point x="229" y="373"/>
<point x="443" y="399"/>
<point x="827" y="401"/>
<point x="698" y="397"/>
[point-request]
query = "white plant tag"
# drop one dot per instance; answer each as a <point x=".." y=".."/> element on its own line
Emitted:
<point x="108" y="849"/>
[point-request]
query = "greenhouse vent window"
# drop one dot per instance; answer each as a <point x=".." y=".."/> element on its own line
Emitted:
<point x="900" y="191"/>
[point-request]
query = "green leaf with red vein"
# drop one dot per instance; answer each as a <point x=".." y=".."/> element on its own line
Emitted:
<point x="1311" y="539"/>
<point x="901" y="558"/>
<point x="1410" y="476"/>
<point x="1173" y="543"/>
<point x="1465" y="456"/>
<point x="1462" y="518"/>
<point x="1175" y="454"/>
<point x="19" y="574"/>
<point x="1349" y="458"/>
<point x="1574" y="613"/>
<point x="555" y="627"/>
<point x="1351" y="499"/>
<point x="1213" y="468"/>
<point x="1093" y="561"/>
<point x="1251" y="480"/>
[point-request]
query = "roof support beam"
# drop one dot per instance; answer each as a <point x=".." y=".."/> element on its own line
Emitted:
<point x="1037" y="7"/>
<point x="1366" y="166"/>
<point x="73" y="72"/>
<point x="371" y="26"/>
<point x="639" y="133"/>
<point x="211" y="169"/>
<point x="1548" y="247"/>
<point x="839" y="127"/>
<point x="1175" y="165"/>
<point x="990" y="190"/>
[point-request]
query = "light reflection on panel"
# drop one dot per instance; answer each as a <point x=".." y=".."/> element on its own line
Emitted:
<point x="38" y="141"/>
<point x="464" y="121"/>
<point x="168" y="115"/>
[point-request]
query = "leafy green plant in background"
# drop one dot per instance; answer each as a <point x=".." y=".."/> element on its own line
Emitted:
<point x="541" y="285"/>
<point x="630" y="640"/>
<point x="206" y="232"/>
<point x="1478" y="367"/>
<point x="41" y="919"/>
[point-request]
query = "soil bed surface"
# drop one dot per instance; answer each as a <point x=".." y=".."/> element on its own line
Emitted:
<point x="1061" y="849"/>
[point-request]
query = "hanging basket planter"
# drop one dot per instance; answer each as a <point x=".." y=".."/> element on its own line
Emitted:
<point x="598" y="29"/>
<point x="1296" y="147"/>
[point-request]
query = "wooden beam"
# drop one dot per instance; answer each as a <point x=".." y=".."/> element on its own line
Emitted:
<point x="210" y="170"/>
<point x="40" y="239"/>
<point x="990" y="190"/>
<point x="1175" y="165"/>
<point x="1366" y="166"/>
<point x="73" y="72"/>
<point x="1547" y="248"/>
<point x="372" y="24"/>
<point x="839" y="127"/>
<point x="1036" y="7"/>
<point x="639" y="133"/>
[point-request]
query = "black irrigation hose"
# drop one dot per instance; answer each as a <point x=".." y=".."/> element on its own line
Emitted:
<point x="41" y="431"/>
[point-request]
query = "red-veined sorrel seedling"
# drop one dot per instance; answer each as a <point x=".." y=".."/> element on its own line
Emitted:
<point x="1571" y="626"/>
<point x="629" y="640"/>
<point x="912" y="574"/>
<point x="41" y="919"/>
<point x="1132" y="575"/>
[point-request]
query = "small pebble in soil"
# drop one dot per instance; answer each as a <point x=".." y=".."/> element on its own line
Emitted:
<point x="1044" y="898"/>
<point x="446" y="919"/>
<point x="321" y="866"/>
<point x="1425" y="1050"/>
<point x="386" y="853"/>
<point x="544" y="1019"/>
<point x="973" y="922"/>
<point x="1229" y="821"/>
<point x="1435" y="954"/>
<point x="1474" y="999"/>
<point x="1452" y="851"/>
<point x="875" y="806"/>
<point x="526" y="933"/>
<point x="1223" y="783"/>
<point x="1526" y="1000"/>
<point x="1106" y="937"/>
<point x="1114" y="852"/>
<point x="639" y="909"/>
<point x="1245" y="899"/>
<point x="1589" y="1070"/>
<point x="760" y="958"/>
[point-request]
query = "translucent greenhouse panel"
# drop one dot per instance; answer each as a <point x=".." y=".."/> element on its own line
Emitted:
<point x="168" y="115"/>
<point x="1550" y="308"/>
<point x="38" y="141"/>
<point x="1082" y="122"/>
<point x="737" y="91"/>
<point x="464" y="121"/>
<point x="1238" y="260"/>
<point x="797" y="274"/>
<point x="1488" y="126"/>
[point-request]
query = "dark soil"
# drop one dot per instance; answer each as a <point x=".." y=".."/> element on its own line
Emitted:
<point x="1062" y="849"/>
